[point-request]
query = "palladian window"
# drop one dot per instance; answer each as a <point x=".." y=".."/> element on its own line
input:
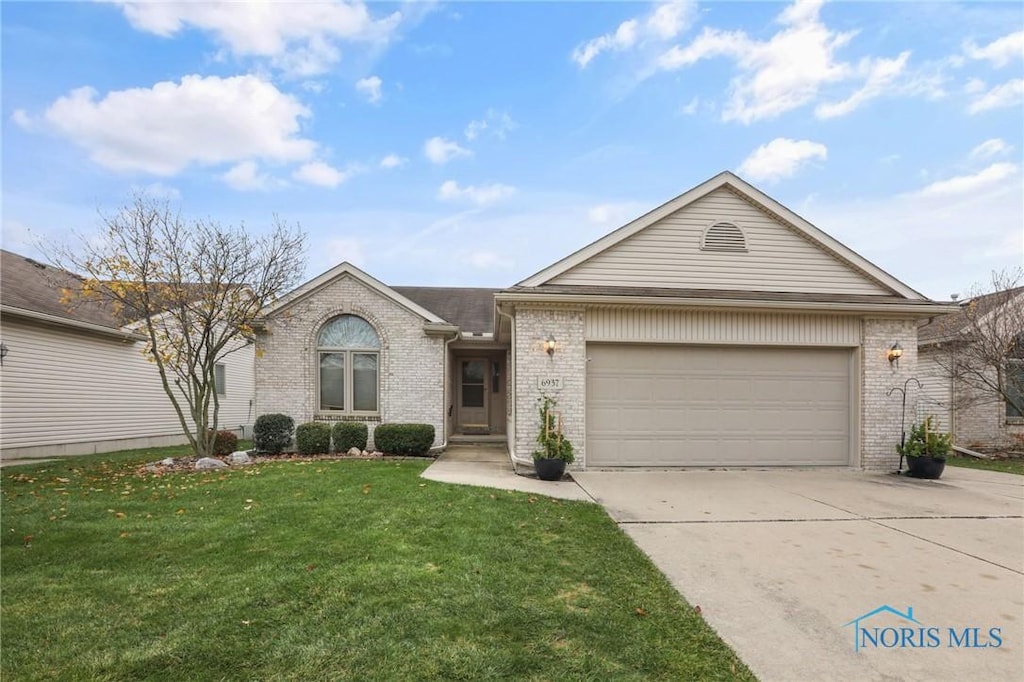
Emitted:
<point x="348" y="349"/>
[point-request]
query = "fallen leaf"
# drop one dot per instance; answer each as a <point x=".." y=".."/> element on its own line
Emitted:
<point x="120" y="515"/>
<point x="640" y="612"/>
<point x="697" y="609"/>
<point x="310" y="567"/>
<point x="124" y="535"/>
<point x="180" y="511"/>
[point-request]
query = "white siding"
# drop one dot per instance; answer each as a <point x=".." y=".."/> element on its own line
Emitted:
<point x="75" y="392"/>
<point x="936" y="395"/>
<point x="705" y="326"/>
<point x="668" y="254"/>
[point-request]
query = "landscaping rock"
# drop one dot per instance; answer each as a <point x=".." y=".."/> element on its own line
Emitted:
<point x="168" y="462"/>
<point x="239" y="457"/>
<point x="210" y="463"/>
<point x="354" y="452"/>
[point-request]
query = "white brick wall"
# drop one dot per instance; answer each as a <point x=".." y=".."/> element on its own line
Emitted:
<point x="569" y="362"/>
<point x="880" y="414"/>
<point x="411" y="369"/>
<point x="981" y="421"/>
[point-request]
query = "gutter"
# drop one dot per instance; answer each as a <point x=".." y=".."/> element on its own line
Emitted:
<point x="888" y="309"/>
<point x="511" y="379"/>
<point x="444" y="407"/>
<point x="76" y="324"/>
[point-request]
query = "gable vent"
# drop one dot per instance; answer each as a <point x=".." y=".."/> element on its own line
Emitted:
<point x="723" y="237"/>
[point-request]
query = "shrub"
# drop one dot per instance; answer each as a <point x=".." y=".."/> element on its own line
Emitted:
<point x="224" y="443"/>
<point x="552" y="443"/>
<point x="348" y="435"/>
<point x="313" y="438"/>
<point x="404" y="439"/>
<point x="272" y="432"/>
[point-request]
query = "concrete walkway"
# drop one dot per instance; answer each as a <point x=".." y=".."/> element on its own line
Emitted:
<point x="488" y="465"/>
<point x="781" y="561"/>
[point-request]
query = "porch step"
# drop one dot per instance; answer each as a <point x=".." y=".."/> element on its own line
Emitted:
<point x="481" y="439"/>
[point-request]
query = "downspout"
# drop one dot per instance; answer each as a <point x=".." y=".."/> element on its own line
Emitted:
<point x="444" y="408"/>
<point x="511" y="382"/>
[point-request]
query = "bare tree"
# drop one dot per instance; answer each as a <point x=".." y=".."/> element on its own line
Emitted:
<point x="982" y="346"/>
<point x="193" y="287"/>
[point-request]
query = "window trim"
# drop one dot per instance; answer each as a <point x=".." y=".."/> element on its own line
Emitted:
<point x="1018" y="366"/>
<point x="349" y="377"/>
<point x="220" y="387"/>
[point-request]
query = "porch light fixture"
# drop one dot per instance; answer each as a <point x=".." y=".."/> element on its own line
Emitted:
<point x="894" y="354"/>
<point x="3" y="352"/>
<point x="550" y="344"/>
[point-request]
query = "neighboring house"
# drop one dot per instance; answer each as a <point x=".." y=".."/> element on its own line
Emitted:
<point x="77" y="382"/>
<point x="977" y="418"/>
<point x="720" y="329"/>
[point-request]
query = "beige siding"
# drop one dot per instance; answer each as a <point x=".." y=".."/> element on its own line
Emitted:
<point x="668" y="254"/>
<point x="63" y="388"/>
<point x="936" y="395"/>
<point x="701" y="326"/>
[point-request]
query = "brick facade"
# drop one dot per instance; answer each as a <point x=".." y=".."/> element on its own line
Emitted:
<point x="879" y="413"/>
<point x="569" y="363"/>
<point x="980" y="421"/>
<point x="410" y="369"/>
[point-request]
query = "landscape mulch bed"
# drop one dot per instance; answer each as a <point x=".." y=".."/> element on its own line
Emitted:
<point x="188" y="464"/>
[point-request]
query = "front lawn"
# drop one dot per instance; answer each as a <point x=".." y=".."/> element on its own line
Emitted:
<point x="1007" y="466"/>
<point x="327" y="570"/>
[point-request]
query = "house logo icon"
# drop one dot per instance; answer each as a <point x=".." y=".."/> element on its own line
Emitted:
<point x="860" y="631"/>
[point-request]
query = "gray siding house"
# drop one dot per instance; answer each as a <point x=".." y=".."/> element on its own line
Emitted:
<point x="77" y="381"/>
<point x="719" y="329"/>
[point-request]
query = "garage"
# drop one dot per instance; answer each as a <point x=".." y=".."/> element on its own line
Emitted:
<point x="671" y="405"/>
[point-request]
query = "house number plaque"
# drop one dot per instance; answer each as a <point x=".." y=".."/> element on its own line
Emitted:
<point x="549" y="383"/>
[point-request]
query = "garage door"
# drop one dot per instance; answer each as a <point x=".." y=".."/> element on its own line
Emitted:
<point x="717" y="406"/>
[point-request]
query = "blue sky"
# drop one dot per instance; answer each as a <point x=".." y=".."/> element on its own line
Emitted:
<point x="476" y="143"/>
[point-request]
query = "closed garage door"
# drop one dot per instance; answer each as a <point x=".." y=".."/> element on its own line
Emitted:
<point x="717" y="406"/>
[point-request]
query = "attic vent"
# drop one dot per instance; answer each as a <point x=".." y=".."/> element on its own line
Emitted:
<point x="723" y="237"/>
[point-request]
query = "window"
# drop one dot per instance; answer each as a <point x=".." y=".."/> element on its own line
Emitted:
<point x="220" y="379"/>
<point x="723" y="237"/>
<point x="348" y="355"/>
<point x="1014" y="388"/>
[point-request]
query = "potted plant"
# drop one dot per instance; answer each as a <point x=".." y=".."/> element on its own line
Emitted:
<point x="926" y="450"/>
<point x="554" y="450"/>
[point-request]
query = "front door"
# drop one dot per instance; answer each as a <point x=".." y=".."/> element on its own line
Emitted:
<point x="473" y="396"/>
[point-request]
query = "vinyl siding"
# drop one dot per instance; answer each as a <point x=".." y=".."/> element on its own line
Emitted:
<point x="60" y="387"/>
<point x="699" y="326"/>
<point x="936" y="395"/>
<point x="668" y="254"/>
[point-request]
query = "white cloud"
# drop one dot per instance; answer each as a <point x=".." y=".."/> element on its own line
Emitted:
<point x="486" y="260"/>
<point x="880" y="74"/>
<point x="990" y="148"/>
<point x="393" y="161"/>
<point x="963" y="184"/>
<point x="999" y="52"/>
<point x="299" y="38"/>
<point x="203" y="120"/>
<point x="1010" y="93"/>
<point x="341" y="249"/>
<point x="439" y="150"/>
<point x="370" y="87"/>
<point x="781" y="158"/>
<point x="665" y="22"/>
<point x="481" y="195"/>
<point x="614" y="214"/>
<point x="320" y="174"/>
<point x="974" y="86"/>
<point x="162" y="191"/>
<point x="691" y="108"/>
<point x="499" y="123"/>
<point x="246" y="177"/>
<point x="21" y="119"/>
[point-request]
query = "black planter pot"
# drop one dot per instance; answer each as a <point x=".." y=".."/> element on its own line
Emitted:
<point x="549" y="469"/>
<point x="925" y="467"/>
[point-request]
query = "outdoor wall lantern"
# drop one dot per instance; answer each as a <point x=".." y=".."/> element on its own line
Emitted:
<point x="3" y="352"/>
<point x="894" y="354"/>
<point x="550" y="344"/>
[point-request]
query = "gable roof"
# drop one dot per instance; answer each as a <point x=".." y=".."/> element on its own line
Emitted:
<point x="751" y="194"/>
<point x="33" y="289"/>
<point x="347" y="269"/>
<point x="470" y="309"/>
<point x="946" y="327"/>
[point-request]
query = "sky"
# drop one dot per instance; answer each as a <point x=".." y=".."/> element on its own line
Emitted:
<point x="475" y="143"/>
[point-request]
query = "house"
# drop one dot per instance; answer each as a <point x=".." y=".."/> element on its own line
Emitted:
<point x="960" y="402"/>
<point x="719" y="329"/>
<point x="77" y="382"/>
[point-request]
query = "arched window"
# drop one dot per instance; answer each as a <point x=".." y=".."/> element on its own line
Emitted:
<point x="348" y="349"/>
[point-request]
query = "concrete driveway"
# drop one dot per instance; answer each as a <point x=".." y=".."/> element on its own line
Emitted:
<point x="780" y="561"/>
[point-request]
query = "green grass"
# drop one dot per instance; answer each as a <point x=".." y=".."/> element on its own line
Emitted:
<point x="326" y="570"/>
<point x="1007" y="466"/>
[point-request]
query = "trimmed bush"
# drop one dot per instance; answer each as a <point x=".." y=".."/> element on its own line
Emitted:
<point x="272" y="433"/>
<point x="224" y="443"/>
<point x="313" y="438"/>
<point x="348" y="435"/>
<point x="404" y="439"/>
